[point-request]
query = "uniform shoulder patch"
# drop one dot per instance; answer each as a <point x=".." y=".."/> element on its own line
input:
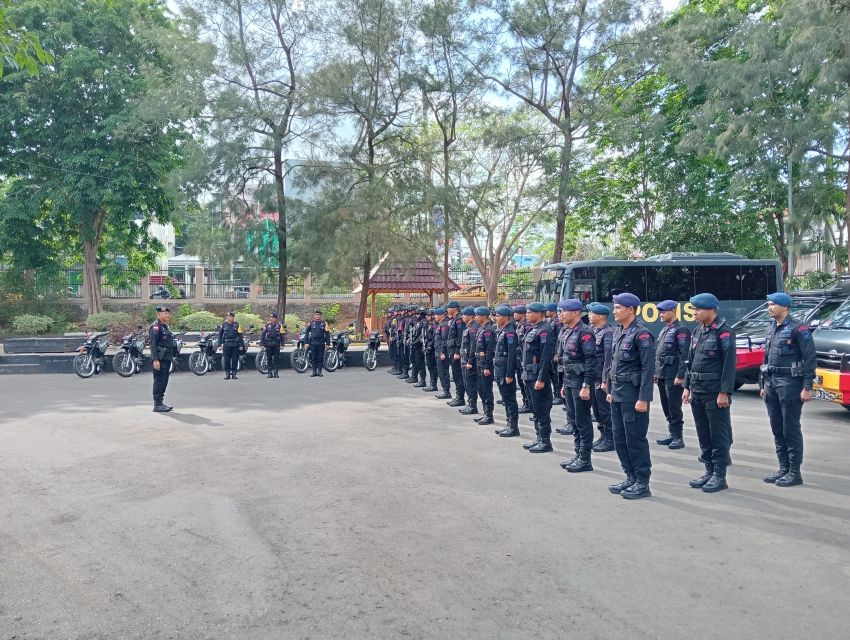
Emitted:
<point x="804" y="332"/>
<point x="645" y="338"/>
<point x="586" y="337"/>
<point x="725" y="338"/>
<point x="155" y="328"/>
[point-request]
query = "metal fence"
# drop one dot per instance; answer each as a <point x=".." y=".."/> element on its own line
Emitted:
<point x="268" y="287"/>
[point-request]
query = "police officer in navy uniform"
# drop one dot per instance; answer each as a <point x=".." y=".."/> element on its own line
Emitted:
<point x="417" y="349"/>
<point x="455" y="335"/>
<point x="390" y="335"/>
<point x="787" y="377"/>
<point x="403" y="353"/>
<point x="554" y="318"/>
<point x="441" y="352"/>
<point x="630" y="392"/>
<point x="162" y="346"/>
<point x="522" y="326"/>
<point x="538" y="348"/>
<point x="430" y="357"/>
<point x="671" y="360"/>
<point x="577" y="361"/>
<point x="319" y="338"/>
<point x="603" y="337"/>
<point x="709" y="384"/>
<point x="232" y="343"/>
<point x="505" y="367"/>
<point x="467" y="361"/>
<point x="485" y="352"/>
<point x="271" y="338"/>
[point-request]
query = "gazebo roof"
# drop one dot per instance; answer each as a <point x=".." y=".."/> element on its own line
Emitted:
<point x="416" y="277"/>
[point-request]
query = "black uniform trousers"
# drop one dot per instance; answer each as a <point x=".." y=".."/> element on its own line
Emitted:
<point x="541" y="405"/>
<point x="523" y="390"/>
<point x="418" y="358"/>
<point x="485" y="390"/>
<point x="392" y="347"/>
<point x="431" y="363"/>
<point x="582" y="425"/>
<point x="457" y="376"/>
<point x="404" y="358"/>
<point x="569" y="410"/>
<point x="714" y="428"/>
<point x="230" y="359"/>
<point x="470" y="384"/>
<point x="508" y="393"/>
<point x="601" y="408"/>
<point x="273" y="357"/>
<point x="160" y="380"/>
<point x="317" y="355"/>
<point x="629" y="428"/>
<point x="671" y="404"/>
<point x="443" y="374"/>
<point x="784" y="406"/>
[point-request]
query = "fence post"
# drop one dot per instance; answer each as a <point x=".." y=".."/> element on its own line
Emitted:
<point x="308" y="286"/>
<point x="199" y="284"/>
<point x="145" y="286"/>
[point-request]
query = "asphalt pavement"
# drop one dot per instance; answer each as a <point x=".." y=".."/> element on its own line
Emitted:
<point x="355" y="506"/>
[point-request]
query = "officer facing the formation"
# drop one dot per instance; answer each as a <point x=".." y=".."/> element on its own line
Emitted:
<point x="709" y="384"/>
<point x="271" y="338"/>
<point x="417" y="349"/>
<point x="671" y="360"/>
<point x="232" y="343"/>
<point x="467" y="361"/>
<point x="162" y="345"/>
<point x="441" y="351"/>
<point x="577" y="361"/>
<point x="630" y="392"/>
<point x="554" y="318"/>
<point x="522" y="326"/>
<point x="455" y="335"/>
<point x="787" y="376"/>
<point x="485" y="351"/>
<point x="505" y="368"/>
<point x="603" y="336"/>
<point x="318" y="337"/>
<point x="538" y="348"/>
<point x="430" y="358"/>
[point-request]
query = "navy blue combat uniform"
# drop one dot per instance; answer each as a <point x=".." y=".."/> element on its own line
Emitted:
<point x="403" y="346"/>
<point x="577" y="360"/>
<point x="417" y="350"/>
<point x="504" y="363"/>
<point x="453" y="340"/>
<point x="789" y="367"/>
<point x="538" y="349"/>
<point x="230" y="338"/>
<point x="318" y="337"/>
<point x="522" y="327"/>
<point x="162" y="346"/>
<point x="271" y="338"/>
<point x="557" y="370"/>
<point x="467" y="363"/>
<point x="389" y="334"/>
<point x="430" y="357"/>
<point x="629" y="381"/>
<point x="485" y="352"/>
<point x="711" y="371"/>
<point x="441" y="351"/>
<point x="671" y="360"/>
<point x="603" y="337"/>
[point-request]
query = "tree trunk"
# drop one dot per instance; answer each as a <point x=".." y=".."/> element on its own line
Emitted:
<point x="563" y="195"/>
<point x="91" y="278"/>
<point x="493" y="283"/>
<point x="282" y="260"/>
<point x="847" y="215"/>
<point x="364" y="293"/>
<point x="446" y="144"/>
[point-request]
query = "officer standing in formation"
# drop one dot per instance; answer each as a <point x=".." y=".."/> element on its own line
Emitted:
<point x="505" y="368"/>
<point x="553" y="316"/>
<point x="430" y="357"/>
<point x="441" y="350"/>
<point x="162" y="345"/>
<point x="786" y="383"/>
<point x="467" y="361"/>
<point x="522" y="327"/>
<point x="709" y="384"/>
<point x="603" y="337"/>
<point x="271" y="338"/>
<point x="319" y="338"/>
<point x="485" y="351"/>
<point x="577" y="361"/>
<point x="417" y="349"/>
<point x="538" y="349"/>
<point x="453" y="339"/>
<point x="630" y="392"/>
<point x="232" y="344"/>
<point x="390" y="337"/>
<point x="671" y="359"/>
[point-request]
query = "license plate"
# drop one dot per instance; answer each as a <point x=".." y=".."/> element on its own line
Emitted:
<point x="820" y="394"/>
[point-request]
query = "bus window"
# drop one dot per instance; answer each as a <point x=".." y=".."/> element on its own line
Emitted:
<point x="615" y="280"/>
<point x="723" y="281"/>
<point x="757" y="281"/>
<point x="550" y="286"/>
<point x="669" y="283"/>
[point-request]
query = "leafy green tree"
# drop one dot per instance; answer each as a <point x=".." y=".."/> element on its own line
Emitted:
<point x="19" y="49"/>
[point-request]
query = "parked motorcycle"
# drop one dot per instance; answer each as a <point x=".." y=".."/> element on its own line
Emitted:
<point x="129" y="360"/>
<point x="300" y="359"/>
<point x="370" y="354"/>
<point x="335" y="356"/>
<point x="201" y="360"/>
<point x="92" y="354"/>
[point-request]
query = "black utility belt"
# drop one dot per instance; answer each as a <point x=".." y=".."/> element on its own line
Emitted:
<point x="795" y="370"/>
<point x="634" y="378"/>
<point x="530" y="368"/>
<point x="667" y="360"/>
<point x="704" y="376"/>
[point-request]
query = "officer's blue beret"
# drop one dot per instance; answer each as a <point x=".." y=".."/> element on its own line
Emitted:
<point x="453" y="304"/>
<point x="504" y="310"/>
<point x="571" y="304"/>
<point x="627" y="300"/>
<point x="667" y="305"/>
<point x="537" y="307"/>
<point x="231" y="313"/>
<point x="439" y="311"/>
<point x="598" y="308"/>
<point x="705" y="301"/>
<point x="551" y="306"/>
<point x="520" y="308"/>
<point x="468" y="311"/>
<point x="274" y="314"/>
<point x="160" y="309"/>
<point x="782" y="299"/>
<point x="482" y="311"/>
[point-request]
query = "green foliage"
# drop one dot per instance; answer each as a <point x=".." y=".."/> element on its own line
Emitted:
<point x="383" y="301"/>
<point x="330" y="312"/>
<point x="293" y="323"/>
<point x="107" y="320"/>
<point x="247" y="320"/>
<point x="19" y="49"/>
<point x="813" y="280"/>
<point x="199" y="321"/>
<point x="32" y="325"/>
<point x="149" y="313"/>
<point x="184" y="310"/>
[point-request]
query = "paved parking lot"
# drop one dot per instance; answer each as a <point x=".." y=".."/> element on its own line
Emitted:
<point x="355" y="506"/>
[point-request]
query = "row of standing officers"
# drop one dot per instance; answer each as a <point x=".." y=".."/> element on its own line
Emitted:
<point x="551" y="355"/>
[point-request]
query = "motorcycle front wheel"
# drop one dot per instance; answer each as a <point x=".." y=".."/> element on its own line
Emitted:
<point x="370" y="359"/>
<point x="331" y="361"/>
<point x="198" y="363"/>
<point x="262" y="362"/>
<point x="123" y="364"/>
<point x="84" y="365"/>
<point x="299" y="360"/>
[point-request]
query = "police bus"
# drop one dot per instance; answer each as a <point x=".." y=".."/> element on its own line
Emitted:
<point x="740" y="284"/>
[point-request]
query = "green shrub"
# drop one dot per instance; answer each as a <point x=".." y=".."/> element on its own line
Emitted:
<point x="383" y="301"/>
<point x="330" y="312"/>
<point x="107" y="319"/>
<point x="293" y="323"/>
<point x="184" y="311"/>
<point x="29" y="324"/>
<point x="813" y="280"/>
<point x="246" y="319"/>
<point x="149" y="314"/>
<point x="199" y="321"/>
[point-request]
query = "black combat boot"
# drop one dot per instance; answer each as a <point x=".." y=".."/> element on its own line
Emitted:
<point x="233" y="375"/>
<point x="792" y="478"/>
<point x="700" y="482"/>
<point x="457" y="401"/>
<point x="606" y="443"/>
<point x="488" y="417"/>
<point x="543" y="446"/>
<point x="780" y="473"/>
<point x="227" y="375"/>
<point x="159" y="406"/>
<point x="510" y="431"/>
<point x="665" y="441"/>
<point x="443" y="395"/>
<point x="275" y="374"/>
<point x="717" y="482"/>
<point x="640" y="489"/>
<point x="566" y="430"/>
<point x="622" y="486"/>
<point x="677" y="443"/>
<point x="567" y="463"/>
<point x="469" y="410"/>
<point x="581" y="463"/>
<point x="270" y="374"/>
<point x="524" y="408"/>
<point x="315" y="373"/>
